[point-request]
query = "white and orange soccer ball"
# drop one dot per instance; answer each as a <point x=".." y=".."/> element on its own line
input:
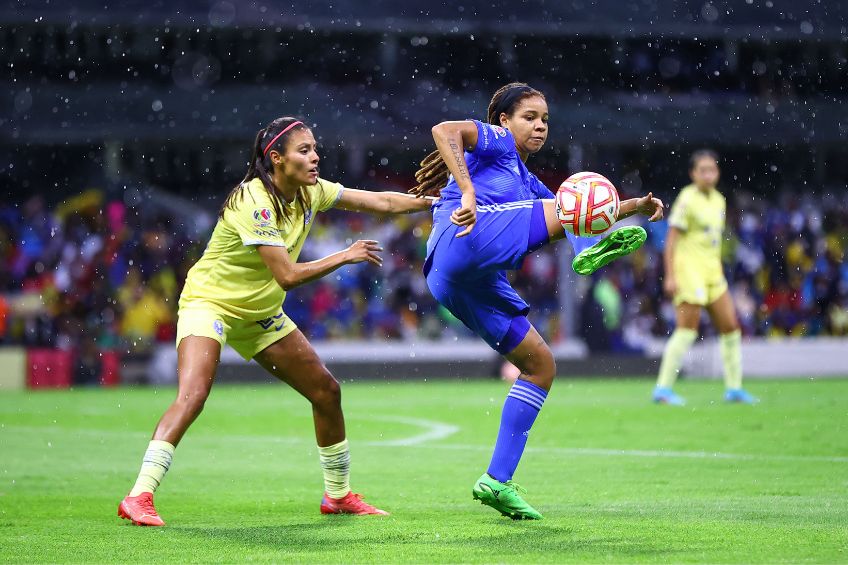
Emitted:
<point x="587" y="204"/>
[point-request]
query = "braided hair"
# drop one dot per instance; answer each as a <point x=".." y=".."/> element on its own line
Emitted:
<point x="274" y="136"/>
<point x="433" y="174"/>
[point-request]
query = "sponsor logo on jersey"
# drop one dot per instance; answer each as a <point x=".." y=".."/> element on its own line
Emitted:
<point x="218" y="326"/>
<point x="262" y="217"/>
<point x="307" y="217"/>
<point x="269" y="232"/>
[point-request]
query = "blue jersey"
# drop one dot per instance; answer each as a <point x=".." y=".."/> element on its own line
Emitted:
<point x="498" y="173"/>
<point x="467" y="275"/>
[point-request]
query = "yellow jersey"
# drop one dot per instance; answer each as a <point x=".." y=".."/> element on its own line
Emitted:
<point x="231" y="277"/>
<point x="700" y="217"/>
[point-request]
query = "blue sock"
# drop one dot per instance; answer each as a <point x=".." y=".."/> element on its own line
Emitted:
<point x="519" y="412"/>
<point x="581" y="243"/>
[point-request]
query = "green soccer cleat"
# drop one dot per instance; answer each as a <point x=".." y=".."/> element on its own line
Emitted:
<point x="619" y="243"/>
<point x="504" y="498"/>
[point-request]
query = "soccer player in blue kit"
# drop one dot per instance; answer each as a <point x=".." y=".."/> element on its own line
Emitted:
<point x="491" y="214"/>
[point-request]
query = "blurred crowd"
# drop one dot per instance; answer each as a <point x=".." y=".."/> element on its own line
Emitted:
<point x="94" y="273"/>
<point x="89" y="275"/>
<point x="784" y="262"/>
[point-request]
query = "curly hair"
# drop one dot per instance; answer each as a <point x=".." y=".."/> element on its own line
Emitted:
<point x="433" y="174"/>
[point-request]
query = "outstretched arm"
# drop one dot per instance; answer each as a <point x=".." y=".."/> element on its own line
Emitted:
<point x="647" y="206"/>
<point x="382" y="203"/>
<point x="290" y="274"/>
<point x="452" y="139"/>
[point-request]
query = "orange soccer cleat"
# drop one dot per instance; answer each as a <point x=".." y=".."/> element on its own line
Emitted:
<point x="140" y="510"/>
<point x="351" y="503"/>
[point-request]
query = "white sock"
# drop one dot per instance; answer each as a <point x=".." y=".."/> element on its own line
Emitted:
<point x="678" y="344"/>
<point x="335" y="461"/>
<point x="730" y="345"/>
<point x="157" y="460"/>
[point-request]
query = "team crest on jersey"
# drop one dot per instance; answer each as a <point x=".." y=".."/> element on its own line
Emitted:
<point x="499" y="131"/>
<point x="263" y="217"/>
<point x="218" y="326"/>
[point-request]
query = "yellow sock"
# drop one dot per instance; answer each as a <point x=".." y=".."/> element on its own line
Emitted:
<point x="335" y="461"/>
<point x="678" y="344"/>
<point x="155" y="464"/>
<point x="730" y="345"/>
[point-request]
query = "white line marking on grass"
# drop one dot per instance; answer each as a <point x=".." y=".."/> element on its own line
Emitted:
<point x="438" y="430"/>
<point x="602" y="452"/>
<point x="434" y="431"/>
<point x="694" y="454"/>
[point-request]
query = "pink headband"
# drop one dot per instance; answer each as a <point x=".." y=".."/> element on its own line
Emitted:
<point x="276" y="137"/>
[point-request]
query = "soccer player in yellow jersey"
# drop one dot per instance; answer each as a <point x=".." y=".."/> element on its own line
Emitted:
<point x="234" y="294"/>
<point x="695" y="280"/>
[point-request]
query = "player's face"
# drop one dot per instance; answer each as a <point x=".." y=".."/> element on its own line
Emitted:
<point x="299" y="163"/>
<point x="528" y="124"/>
<point x="705" y="173"/>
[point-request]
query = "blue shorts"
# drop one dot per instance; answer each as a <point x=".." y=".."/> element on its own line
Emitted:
<point x="467" y="275"/>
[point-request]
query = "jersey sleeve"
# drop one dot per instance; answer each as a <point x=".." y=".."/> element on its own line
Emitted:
<point x="254" y="219"/>
<point x="492" y="141"/>
<point x="679" y="217"/>
<point x="327" y="195"/>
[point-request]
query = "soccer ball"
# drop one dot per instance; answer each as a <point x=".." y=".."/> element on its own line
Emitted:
<point x="587" y="204"/>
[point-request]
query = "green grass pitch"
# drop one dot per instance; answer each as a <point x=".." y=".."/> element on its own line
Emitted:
<point x="619" y="480"/>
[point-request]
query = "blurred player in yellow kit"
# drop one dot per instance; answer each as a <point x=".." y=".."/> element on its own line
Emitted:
<point x="694" y="278"/>
<point x="234" y="294"/>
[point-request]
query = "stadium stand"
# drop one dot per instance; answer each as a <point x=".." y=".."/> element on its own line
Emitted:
<point x="89" y="270"/>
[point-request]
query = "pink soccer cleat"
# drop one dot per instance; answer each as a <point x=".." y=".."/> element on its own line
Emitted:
<point x="140" y="510"/>
<point x="351" y="503"/>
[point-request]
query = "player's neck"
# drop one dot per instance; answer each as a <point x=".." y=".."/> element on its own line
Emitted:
<point x="285" y="190"/>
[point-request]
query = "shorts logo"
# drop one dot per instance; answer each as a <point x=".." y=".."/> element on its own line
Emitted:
<point x="218" y="326"/>
<point x="263" y="217"/>
<point x="277" y="322"/>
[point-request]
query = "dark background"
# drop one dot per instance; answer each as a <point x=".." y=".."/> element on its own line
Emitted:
<point x="171" y="94"/>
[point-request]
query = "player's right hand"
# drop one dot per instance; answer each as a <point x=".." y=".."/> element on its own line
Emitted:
<point x="466" y="214"/>
<point x="364" y="250"/>
<point x="670" y="286"/>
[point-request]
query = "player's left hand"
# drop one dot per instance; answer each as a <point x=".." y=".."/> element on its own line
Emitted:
<point x="466" y="215"/>
<point x="650" y="206"/>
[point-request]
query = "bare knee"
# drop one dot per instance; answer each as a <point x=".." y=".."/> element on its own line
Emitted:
<point x="192" y="400"/>
<point x="726" y="324"/>
<point x="539" y="368"/>
<point x="545" y="375"/>
<point x="729" y="327"/>
<point x="327" y="393"/>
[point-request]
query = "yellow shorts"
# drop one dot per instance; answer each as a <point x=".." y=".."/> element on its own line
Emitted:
<point x="694" y="288"/>
<point x="247" y="337"/>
